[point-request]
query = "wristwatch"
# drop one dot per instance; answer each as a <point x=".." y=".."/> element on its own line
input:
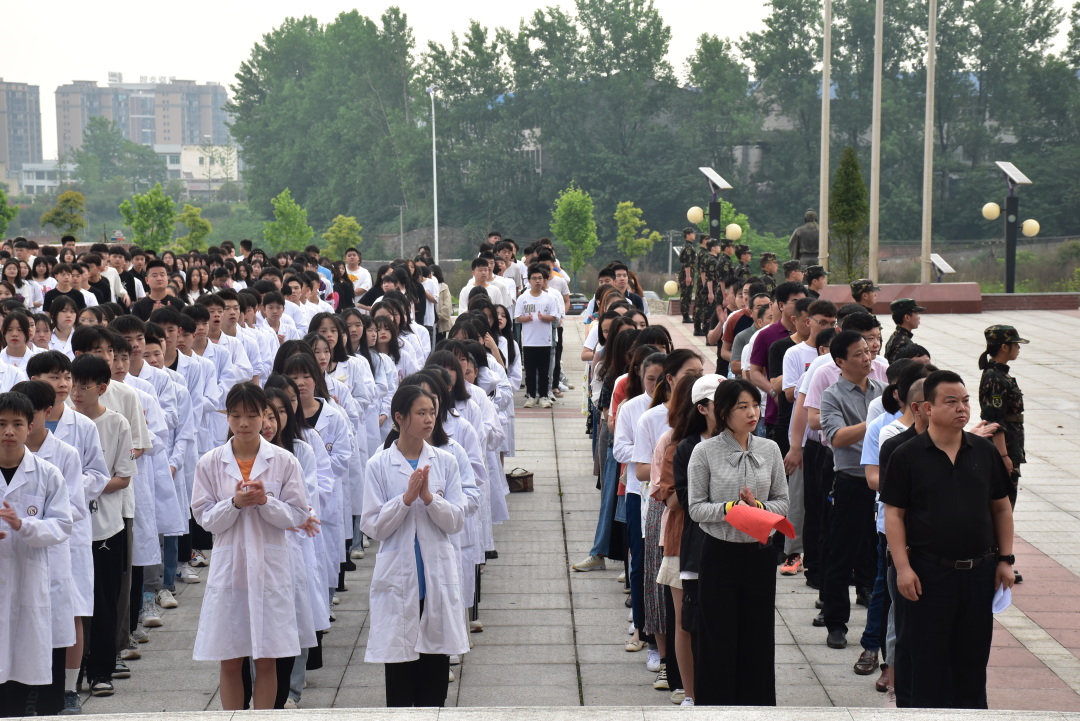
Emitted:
<point x="772" y="393"/>
<point x="1011" y="560"/>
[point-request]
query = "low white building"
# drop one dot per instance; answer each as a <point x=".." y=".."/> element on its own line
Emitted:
<point x="44" y="177"/>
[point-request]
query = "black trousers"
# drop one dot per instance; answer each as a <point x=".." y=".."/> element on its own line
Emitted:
<point x="537" y="360"/>
<point x="18" y="699"/>
<point x="556" y="374"/>
<point x="813" y="511"/>
<point x="109" y="571"/>
<point x="668" y="652"/>
<point x="735" y="647"/>
<point x="852" y="547"/>
<point x="943" y="639"/>
<point x="422" y="682"/>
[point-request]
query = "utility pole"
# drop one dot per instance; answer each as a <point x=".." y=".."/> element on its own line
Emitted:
<point x="401" y="228"/>
<point x="875" y="142"/>
<point x="826" y="111"/>
<point x="928" y="146"/>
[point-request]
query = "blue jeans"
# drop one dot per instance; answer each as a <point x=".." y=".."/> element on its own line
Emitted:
<point x="169" y="561"/>
<point x="610" y="487"/>
<point x="872" y="636"/>
<point x="636" y="544"/>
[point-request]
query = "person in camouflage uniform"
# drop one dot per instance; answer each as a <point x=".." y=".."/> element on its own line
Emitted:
<point x="742" y="270"/>
<point x="724" y="262"/>
<point x="687" y="258"/>
<point x="864" y="292"/>
<point x="711" y="292"/>
<point x="768" y="271"/>
<point x="1000" y="399"/>
<point x="906" y="313"/>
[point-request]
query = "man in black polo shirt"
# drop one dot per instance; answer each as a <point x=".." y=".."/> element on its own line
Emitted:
<point x="950" y="530"/>
<point x="157" y="296"/>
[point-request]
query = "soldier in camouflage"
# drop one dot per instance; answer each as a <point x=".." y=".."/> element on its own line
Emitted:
<point x="864" y="292"/>
<point x="742" y="270"/>
<point x="724" y="261"/>
<point x="1000" y="399"/>
<point x="711" y="282"/>
<point x="687" y="257"/>
<point x="701" y="292"/>
<point x="907" y="314"/>
<point x="768" y="270"/>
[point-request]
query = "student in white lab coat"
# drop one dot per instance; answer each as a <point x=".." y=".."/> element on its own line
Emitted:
<point x="412" y="506"/>
<point x="34" y="514"/>
<point x="248" y="493"/>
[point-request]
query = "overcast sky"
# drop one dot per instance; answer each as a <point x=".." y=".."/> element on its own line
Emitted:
<point x="54" y="43"/>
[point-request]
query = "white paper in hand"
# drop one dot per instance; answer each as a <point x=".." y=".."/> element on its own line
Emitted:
<point x="1002" y="599"/>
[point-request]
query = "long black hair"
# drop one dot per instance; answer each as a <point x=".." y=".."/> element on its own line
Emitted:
<point x="402" y="404"/>
<point x="448" y="361"/>
<point x="441" y="396"/>
<point x="279" y="382"/>
<point x="289" y="429"/>
<point x="507" y="333"/>
<point x="393" y="348"/>
<point x="305" y="363"/>
<point x="339" y="352"/>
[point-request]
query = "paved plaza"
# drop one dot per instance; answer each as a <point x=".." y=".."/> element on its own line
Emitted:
<point x="553" y="637"/>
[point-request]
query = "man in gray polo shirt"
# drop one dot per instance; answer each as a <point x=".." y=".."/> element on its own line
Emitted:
<point x="851" y="520"/>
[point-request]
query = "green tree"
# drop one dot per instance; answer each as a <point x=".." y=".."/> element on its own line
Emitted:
<point x="634" y="238"/>
<point x="7" y="212"/>
<point x="289" y="230"/>
<point x="67" y="215"/>
<point x="151" y="217"/>
<point x="344" y="233"/>
<point x="106" y="159"/>
<point x="574" y="225"/>
<point x="849" y="216"/>
<point x="198" y="229"/>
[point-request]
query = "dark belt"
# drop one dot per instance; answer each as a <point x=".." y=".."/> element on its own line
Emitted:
<point x="1017" y="418"/>
<point x="965" y="564"/>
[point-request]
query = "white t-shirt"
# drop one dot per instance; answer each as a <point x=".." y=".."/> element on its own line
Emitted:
<point x="560" y="286"/>
<point x="650" y="426"/>
<point x="361" y="279"/>
<point x="797" y="360"/>
<point x="536" y="333"/>
<point x="115" y="435"/>
<point x="432" y="287"/>
<point x="515" y="275"/>
<point x="593" y="338"/>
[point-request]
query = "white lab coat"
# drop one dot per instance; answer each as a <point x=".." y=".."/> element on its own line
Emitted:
<point x="249" y="608"/>
<point x="61" y="582"/>
<point x="397" y="632"/>
<point x="80" y="432"/>
<point x="39" y="494"/>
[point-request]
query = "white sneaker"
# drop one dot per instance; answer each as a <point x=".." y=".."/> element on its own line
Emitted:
<point x="367" y="542"/>
<point x="455" y="660"/>
<point x="140" y="636"/>
<point x="291" y="703"/>
<point x="476" y="626"/>
<point x="687" y="702"/>
<point x="545" y="402"/>
<point x="335" y="600"/>
<point x="621" y="578"/>
<point x="590" y="563"/>
<point x="185" y="573"/>
<point x="132" y="652"/>
<point x="652" y="660"/>
<point x="199" y="559"/>
<point x="530" y="402"/>
<point x="563" y="387"/>
<point x="357" y="552"/>
<point x="165" y="599"/>
<point x="150" y="618"/>
<point x="452" y="677"/>
<point x="678" y="696"/>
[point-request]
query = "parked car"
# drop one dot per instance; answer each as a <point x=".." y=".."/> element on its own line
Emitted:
<point x="651" y="295"/>
<point x="578" y="303"/>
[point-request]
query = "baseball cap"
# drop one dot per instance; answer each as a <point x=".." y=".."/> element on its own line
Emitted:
<point x="1003" y="334"/>
<point x="705" y="387"/>
<point x="905" y="306"/>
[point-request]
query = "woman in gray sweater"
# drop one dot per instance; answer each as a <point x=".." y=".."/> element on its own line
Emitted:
<point x="737" y="582"/>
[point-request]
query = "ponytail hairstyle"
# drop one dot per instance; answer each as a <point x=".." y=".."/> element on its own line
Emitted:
<point x="607" y="315"/>
<point x="986" y="358"/>
<point x="634" y="383"/>
<point x="889" y="400"/>
<point x="674" y="361"/>
<point x="910" y="376"/>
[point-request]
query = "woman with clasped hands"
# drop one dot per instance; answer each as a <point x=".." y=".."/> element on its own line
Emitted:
<point x="412" y="506"/>
<point x="737" y="575"/>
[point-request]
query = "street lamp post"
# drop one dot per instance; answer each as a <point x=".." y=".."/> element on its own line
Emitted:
<point x="434" y="175"/>
<point x="991" y="211"/>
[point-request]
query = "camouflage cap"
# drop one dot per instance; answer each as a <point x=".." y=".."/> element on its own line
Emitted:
<point x="905" y="306"/>
<point x="766" y="257"/>
<point x="815" y="271"/>
<point x="725" y="243"/>
<point x="690" y="229"/>
<point x="1003" y="334"/>
<point x="742" y="249"/>
<point x="862" y="285"/>
<point x="791" y="266"/>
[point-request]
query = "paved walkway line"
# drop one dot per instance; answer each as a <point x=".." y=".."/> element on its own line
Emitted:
<point x="1042" y="645"/>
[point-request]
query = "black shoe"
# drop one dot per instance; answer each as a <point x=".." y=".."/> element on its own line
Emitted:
<point x="819" y="620"/>
<point x="488" y="555"/>
<point x="819" y="604"/>
<point x="341" y="589"/>
<point x="700" y="333"/>
<point x="348" y="566"/>
<point x="837" y="639"/>
<point x="862" y="597"/>
<point x="687" y="319"/>
<point x="813" y="584"/>
<point x="629" y="604"/>
<point x="1018" y="577"/>
<point x="72" y="704"/>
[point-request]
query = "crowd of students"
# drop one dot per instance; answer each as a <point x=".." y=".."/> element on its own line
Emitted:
<point x="264" y="416"/>
<point x="801" y="420"/>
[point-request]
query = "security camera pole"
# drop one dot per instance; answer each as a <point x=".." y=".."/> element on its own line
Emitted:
<point x="1012" y="212"/>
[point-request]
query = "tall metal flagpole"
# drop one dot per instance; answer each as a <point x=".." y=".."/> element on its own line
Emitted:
<point x="875" y="141"/>
<point x="826" y="107"/>
<point x="928" y="145"/>
<point x="434" y="175"/>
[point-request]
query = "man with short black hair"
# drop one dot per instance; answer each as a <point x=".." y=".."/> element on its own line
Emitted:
<point x="864" y="291"/>
<point x="907" y="314"/>
<point x="949" y="524"/>
<point x="816" y="279"/>
<point x="157" y="279"/>
<point x="793" y="271"/>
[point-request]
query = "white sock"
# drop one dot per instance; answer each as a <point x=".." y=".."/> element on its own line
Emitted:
<point x="71" y="677"/>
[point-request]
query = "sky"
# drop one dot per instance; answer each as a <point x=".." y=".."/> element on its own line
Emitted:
<point x="205" y="41"/>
